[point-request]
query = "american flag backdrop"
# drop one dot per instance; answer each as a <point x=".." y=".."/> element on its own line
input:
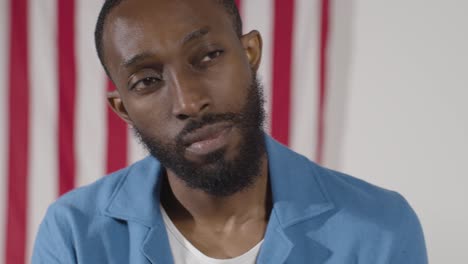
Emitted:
<point x="57" y="133"/>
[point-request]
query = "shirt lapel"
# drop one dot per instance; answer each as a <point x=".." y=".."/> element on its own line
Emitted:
<point x="156" y="247"/>
<point x="300" y="208"/>
<point x="136" y="200"/>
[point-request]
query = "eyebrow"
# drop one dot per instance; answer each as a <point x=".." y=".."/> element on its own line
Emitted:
<point x="196" y="34"/>
<point x="135" y="59"/>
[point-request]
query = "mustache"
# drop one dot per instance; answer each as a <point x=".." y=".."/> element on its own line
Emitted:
<point x="207" y="119"/>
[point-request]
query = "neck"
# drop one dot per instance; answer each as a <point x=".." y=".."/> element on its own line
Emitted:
<point x="184" y="203"/>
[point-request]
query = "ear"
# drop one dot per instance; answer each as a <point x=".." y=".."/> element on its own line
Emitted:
<point x="252" y="43"/>
<point x="116" y="103"/>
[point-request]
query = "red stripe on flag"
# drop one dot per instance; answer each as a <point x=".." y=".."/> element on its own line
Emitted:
<point x="282" y="62"/>
<point x="117" y="137"/>
<point x="323" y="64"/>
<point x="67" y="94"/>
<point x="238" y="4"/>
<point x="239" y="7"/>
<point x="18" y="133"/>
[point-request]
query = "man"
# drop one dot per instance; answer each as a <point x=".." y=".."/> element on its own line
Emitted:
<point x="215" y="188"/>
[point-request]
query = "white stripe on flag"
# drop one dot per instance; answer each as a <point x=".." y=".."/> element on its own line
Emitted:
<point x="339" y="58"/>
<point x="258" y="15"/>
<point x="42" y="182"/>
<point x="4" y="38"/>
<point x="304" y="97"/>
<point x="91" y="124"/>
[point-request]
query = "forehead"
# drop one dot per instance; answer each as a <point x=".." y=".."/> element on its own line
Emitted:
<point x="168" y="11"/>
<point x="137" y="23"/>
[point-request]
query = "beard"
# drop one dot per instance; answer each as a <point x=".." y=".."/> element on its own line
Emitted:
<point x="216" y="175"/>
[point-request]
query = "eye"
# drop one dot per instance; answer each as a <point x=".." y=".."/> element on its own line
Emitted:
<point x="211" y="56"/>
<point x="146" y="83"/>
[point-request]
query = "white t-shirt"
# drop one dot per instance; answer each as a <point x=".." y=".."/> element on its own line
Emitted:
<point x="185" y="253"/>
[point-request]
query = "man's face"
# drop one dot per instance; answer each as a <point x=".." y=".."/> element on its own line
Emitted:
<point x="187" y="84"/>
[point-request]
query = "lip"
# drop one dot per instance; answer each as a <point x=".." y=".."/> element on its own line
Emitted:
<point x="207" y="139"/>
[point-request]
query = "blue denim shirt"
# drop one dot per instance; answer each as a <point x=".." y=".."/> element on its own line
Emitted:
<point x="319" y="216"/>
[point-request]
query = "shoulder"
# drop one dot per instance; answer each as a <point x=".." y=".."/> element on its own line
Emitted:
<point x="313" y="183"/>
<point x="300" y="180"/>
<point x="360" y="198"/>
<point x="91" y="198"/>
<point x="78" y="216"/>
<point x="90" y="201"/>
<point x="377" y="211"/>
<point x="352" y="210"/>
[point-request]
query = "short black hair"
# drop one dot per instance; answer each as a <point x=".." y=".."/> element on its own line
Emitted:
<point x="229" y="6"/>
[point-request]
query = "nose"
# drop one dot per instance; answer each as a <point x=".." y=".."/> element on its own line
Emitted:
<point x="190" y="98"/>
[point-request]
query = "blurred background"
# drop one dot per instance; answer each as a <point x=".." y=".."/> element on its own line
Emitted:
<point x="377" y="89"/>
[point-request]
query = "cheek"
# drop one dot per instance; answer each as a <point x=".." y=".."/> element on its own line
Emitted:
<point x="151" y="115"/>
<point x="231" y="85"/>
<point x="234" y="96"/>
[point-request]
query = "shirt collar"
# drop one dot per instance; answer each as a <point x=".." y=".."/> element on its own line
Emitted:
<point x="295" y="183"/>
